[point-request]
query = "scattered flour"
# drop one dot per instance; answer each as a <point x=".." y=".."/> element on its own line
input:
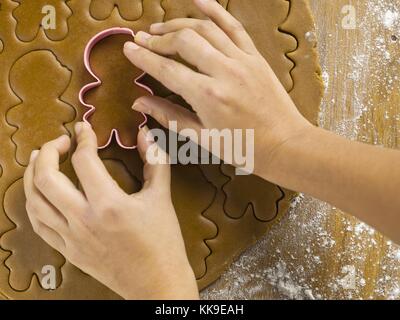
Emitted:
<point x="390" y="18"/>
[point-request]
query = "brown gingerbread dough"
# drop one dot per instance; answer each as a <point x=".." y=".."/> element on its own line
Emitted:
<point x="41" y="74"/>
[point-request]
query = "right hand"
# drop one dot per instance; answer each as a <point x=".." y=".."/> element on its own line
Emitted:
<point x="235" y="88"/>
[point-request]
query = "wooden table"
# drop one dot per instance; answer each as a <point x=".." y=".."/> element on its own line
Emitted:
<point x="318" y="251"/>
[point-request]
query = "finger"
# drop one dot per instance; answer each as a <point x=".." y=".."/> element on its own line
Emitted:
<point x="189" y="45"/>
<point x="51" y="237"/>
<point x="173" y="75"/>
<point x="232" y="27"/>
<point x="47" y="214"/>
<point x="49" y="155"/>
<point x="206" y="28"/>
<point x="156" y="171"/>
<point x="164" y="111"/>
<point x="92" y="174"/>
<point x="38" y="206"/>
<point x="54" y="186"/>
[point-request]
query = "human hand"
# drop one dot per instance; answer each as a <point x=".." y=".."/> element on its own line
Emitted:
<point x="130" y="243"/>
<point x="234" y="87"/>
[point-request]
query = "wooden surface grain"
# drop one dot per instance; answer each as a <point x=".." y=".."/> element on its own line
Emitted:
<point x="318" y="251"/>
<point x="362" y="102"/>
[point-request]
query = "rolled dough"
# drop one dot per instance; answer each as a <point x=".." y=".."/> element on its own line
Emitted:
<point x="41" y="74"/>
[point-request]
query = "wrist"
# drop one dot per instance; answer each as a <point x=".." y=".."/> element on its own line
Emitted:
<point x="168" y="283"/>
<point x="280" y="149"/>
<point x="179" y="285"/>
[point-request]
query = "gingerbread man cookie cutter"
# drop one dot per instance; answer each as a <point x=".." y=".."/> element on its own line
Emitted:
<point x="91" y="108"/>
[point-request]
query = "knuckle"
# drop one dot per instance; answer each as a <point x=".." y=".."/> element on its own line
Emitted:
<point x="236" y="70"/>
<point x="43" y="179"/>
<point x="236" y="26"/>
<point x="33" y="210"/>
<point x="111" y="209"/>
<point x="74" y="210"/>
<point x="205" y="26"/>
<point x="75" y="159"/>
<point x="108" y="206"/>
<point x="85" y="219"/>
<point x="216" y="93"/>
<point x="81" y="212"/>
<point x="208" y="53"/>
<point x="74" y="256"/>
<point x="166" y="69"/>
<point x="30" y="207"/>
<point x="163" y="117"/>
<point x="184" y="36"/>
<point x="80" y="155"/>
<point x="152" y="42"/>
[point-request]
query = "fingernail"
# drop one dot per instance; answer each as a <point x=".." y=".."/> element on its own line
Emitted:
<point x="139" y="106"/>
<point x="136" y="106"/>
<point x="34" y="155"/>
<point x="143" y="36"/>
<point x="131" y="46"/>
<point x="156" y="26"/>
<point x="147" y="133"/>
<point x="78" y="127"/>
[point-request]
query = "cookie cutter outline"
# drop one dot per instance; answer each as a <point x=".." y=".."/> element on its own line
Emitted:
<point x="91" y="108"/>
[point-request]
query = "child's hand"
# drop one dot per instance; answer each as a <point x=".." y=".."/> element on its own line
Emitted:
<point x="130" y="243"/>
<point x="235" y="88"/>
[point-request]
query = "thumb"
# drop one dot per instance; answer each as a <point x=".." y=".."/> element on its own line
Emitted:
<point x="156" y="170"/>
<point x="164" y="111"/>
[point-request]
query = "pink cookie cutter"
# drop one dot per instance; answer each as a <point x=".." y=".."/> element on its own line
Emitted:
<point x="91" y="108"/>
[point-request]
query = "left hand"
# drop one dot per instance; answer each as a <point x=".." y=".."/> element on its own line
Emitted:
<point x="130" y="243"/>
